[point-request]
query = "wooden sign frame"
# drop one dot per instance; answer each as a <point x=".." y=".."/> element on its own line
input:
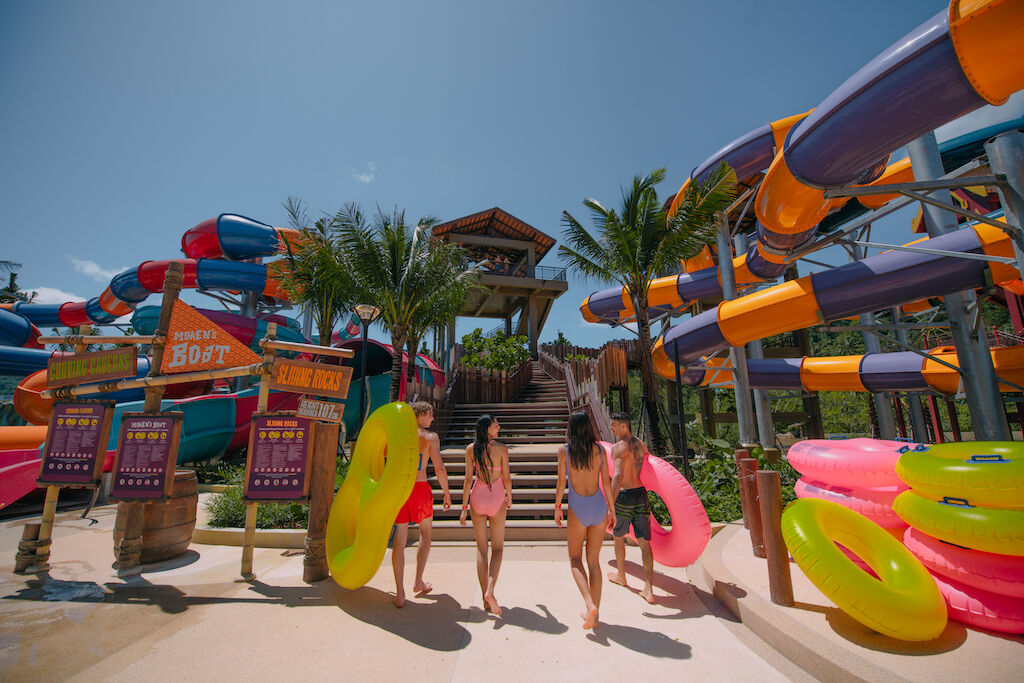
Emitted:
<point x="314" y="379"/>
<point x="170" y="461"/>
<point x="53" y="478"/>
<point x="321" y="411"/>
<point x="94" y="358"/>
<point x="250" y="456"/>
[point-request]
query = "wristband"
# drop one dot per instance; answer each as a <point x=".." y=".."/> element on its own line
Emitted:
<point x="465" y="507"/>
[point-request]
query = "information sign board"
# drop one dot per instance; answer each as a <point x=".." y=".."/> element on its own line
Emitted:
<point x="147" y="453"/>
<point x="279" y="458"/>
<point x="76" y="443"/>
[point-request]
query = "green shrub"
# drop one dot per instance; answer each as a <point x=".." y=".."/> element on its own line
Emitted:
<point x="714" y="480"/>
<point x="228" y="509"/>
<point x="499" y="352"/>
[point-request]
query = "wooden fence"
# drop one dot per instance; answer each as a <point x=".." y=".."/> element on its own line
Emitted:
<point x="606" y="365"/>
<point x="480" y="385"/>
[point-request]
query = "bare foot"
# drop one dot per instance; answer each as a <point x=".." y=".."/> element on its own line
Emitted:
<point x="423" y="587"/>
<point x="590" y="618"/>
<point x="492" y="605"/>
<point x="399" y="601"/>
<point x="618" y="578"/>
<point x="647" y="594"/>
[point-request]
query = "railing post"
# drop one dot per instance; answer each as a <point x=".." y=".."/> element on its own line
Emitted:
<point x="780" y="582"/>
<point x="748" y="472"/>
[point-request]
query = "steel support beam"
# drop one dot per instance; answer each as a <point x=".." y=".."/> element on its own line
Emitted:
<point x="979" y="378"/>
<point x="741" y="385"/>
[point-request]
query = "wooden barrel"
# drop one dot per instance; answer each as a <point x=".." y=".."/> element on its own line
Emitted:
<point x="166" y="527"/>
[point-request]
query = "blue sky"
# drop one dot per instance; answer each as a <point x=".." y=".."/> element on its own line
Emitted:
<point x="127" y="123"/>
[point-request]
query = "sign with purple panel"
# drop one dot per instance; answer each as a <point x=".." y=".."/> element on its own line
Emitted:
<point x="280" y="449"/>
<point x="147" y="452"/>
<point x="76" y="443"/>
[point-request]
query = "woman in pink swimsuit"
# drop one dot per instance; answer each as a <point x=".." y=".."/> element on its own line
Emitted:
<point x="487" y="464"/>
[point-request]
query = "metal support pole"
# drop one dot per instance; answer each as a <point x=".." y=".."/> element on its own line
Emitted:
<point x="755" y="349"/>
<point x="307" y="328"/>
<point x="741" y="385"/>
<point x="1006" y="157"/>
<point x="883" y="408"/>
<point x="979" y="378"/>
<point x="682" y="420"/>
<point x="917" y="422"/>
<point x="362" y="378"/>
<point x="249" y="311"/>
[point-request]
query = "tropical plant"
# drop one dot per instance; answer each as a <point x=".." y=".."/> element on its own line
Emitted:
<point x="399" y="269"/>
<point x="498" y="352"/>
<point x="12" y="292"/>
<point x="442" y="306"/>
<point x="318" y="280"/>
<point x="641" y="242"/>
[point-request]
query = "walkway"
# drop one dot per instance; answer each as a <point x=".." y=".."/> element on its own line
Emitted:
<point x="190" y="621"/>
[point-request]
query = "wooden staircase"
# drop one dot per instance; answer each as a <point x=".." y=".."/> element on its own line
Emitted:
<point x="533" y="427"/>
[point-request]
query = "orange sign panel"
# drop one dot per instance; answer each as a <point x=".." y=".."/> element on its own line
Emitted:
<point x="194" y="343"/>
<point x="317" y="379"/>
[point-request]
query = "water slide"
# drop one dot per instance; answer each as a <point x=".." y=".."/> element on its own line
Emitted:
<point x="213" y="422"/>
<point x="954" y="63"/>
<point x="875" y="372"/>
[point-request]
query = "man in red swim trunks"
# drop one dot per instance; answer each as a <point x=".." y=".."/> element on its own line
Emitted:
<point x="419" y="509"/>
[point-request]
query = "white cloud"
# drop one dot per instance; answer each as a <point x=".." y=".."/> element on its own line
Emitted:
<point x="52" y="295"/>
<point x="368" y="175"/>
<point x="93" y="270"/>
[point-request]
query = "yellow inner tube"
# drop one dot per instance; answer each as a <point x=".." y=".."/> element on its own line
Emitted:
<point x="985" y="473"/>
<point x="373" y="492"/>
<point x="989" y="529"/>
<point x="905" y="604"/>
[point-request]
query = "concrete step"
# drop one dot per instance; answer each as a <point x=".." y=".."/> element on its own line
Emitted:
<point x="556" y="437"/>
<point x="479" y="408"/>
<point x="538" y="429"/>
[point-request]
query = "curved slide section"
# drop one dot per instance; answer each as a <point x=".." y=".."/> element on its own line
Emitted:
<point x="880" y="281"/>
<point x="952" y="64"/>
<point x="225" y="237"/>
<point x="874" y="372"/>
<point x="234" y="237"/>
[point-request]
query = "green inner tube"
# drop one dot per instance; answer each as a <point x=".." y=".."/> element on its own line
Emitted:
<point x="981" y="473"/>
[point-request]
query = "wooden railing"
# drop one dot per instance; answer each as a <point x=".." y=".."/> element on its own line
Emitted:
<point x="480" y="385"/>
<point x="583" y="394"/>
<point x="606" y="365"/>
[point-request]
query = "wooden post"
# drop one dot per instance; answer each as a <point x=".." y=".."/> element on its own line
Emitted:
<point x="249" y="535"/>
<point x="28" y="549"/>
<point x="130" y="547"/>
<point x="780" y="582"/>
<point x="748" y="471"/>
<point x="321" y="488"/>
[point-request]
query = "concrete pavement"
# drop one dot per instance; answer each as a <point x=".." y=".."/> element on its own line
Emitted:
<point x="187" y="619"/>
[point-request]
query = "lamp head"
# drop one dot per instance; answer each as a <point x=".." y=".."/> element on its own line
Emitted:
<point x="367" y="313"/>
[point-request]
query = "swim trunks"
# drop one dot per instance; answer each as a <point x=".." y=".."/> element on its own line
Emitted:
<point x="420" y="505"/>
<point x="632" y="507"/>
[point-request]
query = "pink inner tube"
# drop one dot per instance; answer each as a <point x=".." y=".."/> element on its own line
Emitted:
<point x="982" y="609"/>
<point x="848" y="462"/>
<point x="875" y="503"/>
<point x="1001" y="574"/>
<point x="681" y="545"/>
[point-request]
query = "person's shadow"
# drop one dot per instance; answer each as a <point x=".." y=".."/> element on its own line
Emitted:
<point x="651" y="643"/>
<point x="530" y="620"/>
<point x="668" y="592"/>
<point x="434" y="626"/>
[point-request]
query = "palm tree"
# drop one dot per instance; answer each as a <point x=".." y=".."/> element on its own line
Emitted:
<point x="397" y="268"/>
<point x="317" y="280"/>
<point x="12" y="292"/>
<point x="443" y="306"/>
<point x="640" y="243"/>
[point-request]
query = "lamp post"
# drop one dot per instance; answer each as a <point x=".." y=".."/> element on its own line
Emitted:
<point x="366" y="313"/>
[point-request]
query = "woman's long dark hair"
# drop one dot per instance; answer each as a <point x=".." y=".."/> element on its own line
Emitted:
<point x="581" y="441"/>
<point x="481" y="453"/>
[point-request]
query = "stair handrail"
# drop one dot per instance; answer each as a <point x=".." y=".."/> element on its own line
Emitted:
<point x="580" y="395"/>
